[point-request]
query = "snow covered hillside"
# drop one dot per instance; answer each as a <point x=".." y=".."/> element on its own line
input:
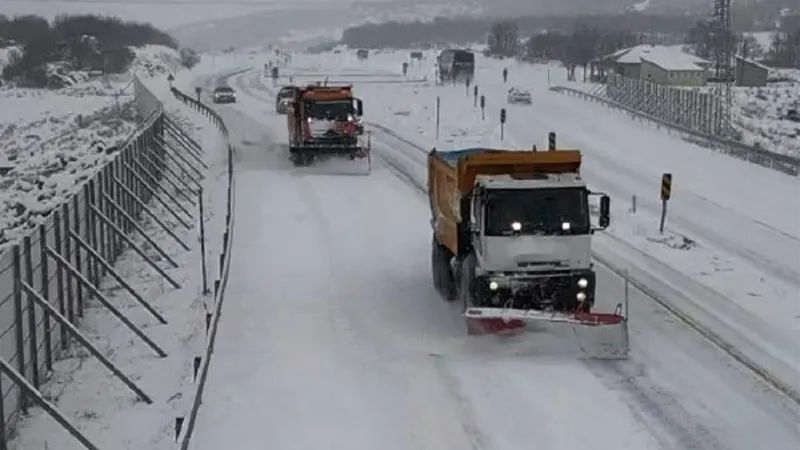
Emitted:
<point x="50" y="140"/>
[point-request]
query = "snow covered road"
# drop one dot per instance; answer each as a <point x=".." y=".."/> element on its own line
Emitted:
<point x="333" y="337"/>
<point x="730" y="255"/>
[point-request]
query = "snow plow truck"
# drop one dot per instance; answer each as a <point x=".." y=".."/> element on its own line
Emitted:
<point x="325" y="122"/>
<point x="512" y="238"/>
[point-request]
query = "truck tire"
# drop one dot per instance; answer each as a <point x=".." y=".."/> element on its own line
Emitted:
<point x="466" y="281"/>
<point x="436" y="265"/>
<point x="443" y="277"/>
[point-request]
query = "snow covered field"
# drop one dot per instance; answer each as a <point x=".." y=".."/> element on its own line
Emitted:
<point x="760" y="114"/>
<point x="51" y="140"/>
<point x="728" y="257"/>
<point x="86" y="392"/>
<point x="333" y="336"/>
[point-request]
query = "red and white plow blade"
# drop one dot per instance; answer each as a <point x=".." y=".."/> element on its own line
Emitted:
<point x="601" y="335"/>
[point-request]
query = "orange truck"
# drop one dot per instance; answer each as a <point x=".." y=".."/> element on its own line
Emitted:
<point x="325" y="122"/>
<point x="512" y="236"/>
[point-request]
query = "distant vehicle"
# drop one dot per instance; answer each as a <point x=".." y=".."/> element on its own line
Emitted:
<point x="519" y="96"/>
<point x="362" y="54"/>
<point x="793" y="115"/>
<point x="456" y="65"/>
<point x="416" y="55"/>
<point x="284" y="99"/>
<point x="224" y="94"/>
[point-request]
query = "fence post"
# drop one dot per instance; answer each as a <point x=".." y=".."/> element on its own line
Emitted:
<point x="3" y="434"/>
<point x="45" y="274"/>
<point x="61" y="277"/>
<point x="78" y="260"/>
<point x="68" y="308"/>
<point x="33" y="347"/>
<point x="203" y="243"/>
<point x="18" y="323"/>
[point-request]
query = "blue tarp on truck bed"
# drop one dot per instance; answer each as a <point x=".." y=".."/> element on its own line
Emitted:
<point x="453" y="157"/>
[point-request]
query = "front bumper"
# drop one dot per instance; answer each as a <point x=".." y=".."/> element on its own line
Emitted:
<point x="550" y="291"/>
<point x="224" y="99"/>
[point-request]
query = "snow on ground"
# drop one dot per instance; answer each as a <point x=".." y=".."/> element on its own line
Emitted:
<point x="51" y="140"/>
<point x="85" y="391"/>
<point x="729" y="253"/>
<point x="341" y="352"/>
<point x="760" y="113"/>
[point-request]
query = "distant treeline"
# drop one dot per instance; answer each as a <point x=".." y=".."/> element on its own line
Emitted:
<point x="467" y="30"/>
<point x="86" y="42"/>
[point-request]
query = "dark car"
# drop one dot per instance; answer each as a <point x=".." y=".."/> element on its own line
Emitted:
<point x="284" y="99"/>
<point x="224" y="94"/>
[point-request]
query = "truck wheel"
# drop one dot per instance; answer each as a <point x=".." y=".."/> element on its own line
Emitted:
<point x="436" y="265"/>
<point x="443" y="277"/>
<point x="466" y="282"/>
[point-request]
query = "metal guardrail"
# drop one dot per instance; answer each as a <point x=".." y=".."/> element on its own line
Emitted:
<point x="49" y="276"/>
<point x="776" y="161"/>
<point x="184" y="426"/>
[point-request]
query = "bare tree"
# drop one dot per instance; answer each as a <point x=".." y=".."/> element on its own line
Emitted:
<point x="504" y="39"/>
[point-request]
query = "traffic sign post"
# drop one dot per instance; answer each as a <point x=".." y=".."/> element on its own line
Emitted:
<point x="666" y="194"/>
<point x="197" y="91"/>
<point x="475" y="95"/>
<point x="438" y="111"/>
<point x="483" y="107"/>
<point x="502" y="124"/>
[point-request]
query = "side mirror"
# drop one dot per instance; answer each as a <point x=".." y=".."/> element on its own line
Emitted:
<point x="605" y="212"/>
<point x="359" y="107"/>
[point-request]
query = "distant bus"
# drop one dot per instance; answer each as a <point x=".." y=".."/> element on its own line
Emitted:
<point x="456" y="65"/>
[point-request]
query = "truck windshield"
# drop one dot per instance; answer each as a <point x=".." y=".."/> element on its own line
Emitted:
<point x="542" y="211"/>
<point x="330" y="110"/>
<point x="463" y="58"/>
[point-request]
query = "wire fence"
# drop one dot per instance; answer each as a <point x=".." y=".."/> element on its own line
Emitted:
<point x="49" y="277"/>
<point x="693" y="108"/>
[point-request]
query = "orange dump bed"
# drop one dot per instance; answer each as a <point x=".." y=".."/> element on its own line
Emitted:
<point x="325" y="92"/>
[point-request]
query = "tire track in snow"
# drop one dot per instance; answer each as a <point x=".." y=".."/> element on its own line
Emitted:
<point x="476" y="438"/>
<point x="380" y="346"/>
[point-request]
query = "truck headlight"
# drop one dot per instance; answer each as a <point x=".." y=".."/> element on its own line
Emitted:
<point x="516" y="226"/>
<point x="493" y="286"/>
<point x="583" y="283"/>
<point x="581" y="297"/>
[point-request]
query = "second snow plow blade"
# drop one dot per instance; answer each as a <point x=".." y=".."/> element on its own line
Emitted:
<point x="599" y="335"/>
